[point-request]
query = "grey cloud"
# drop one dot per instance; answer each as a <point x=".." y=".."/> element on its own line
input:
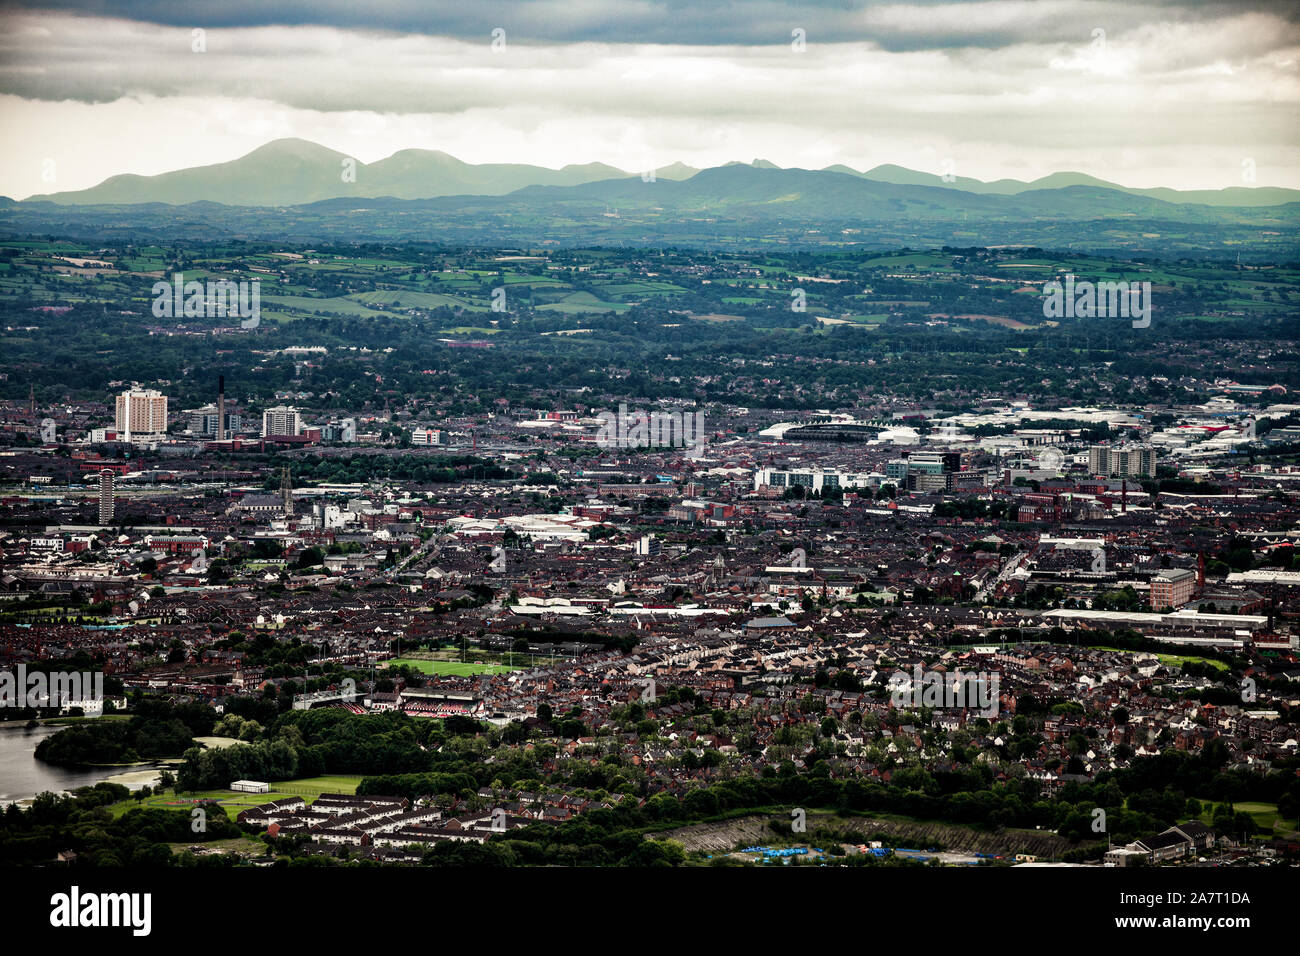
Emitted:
<point x="326" y="69"/>
<point x="914" y="25"/>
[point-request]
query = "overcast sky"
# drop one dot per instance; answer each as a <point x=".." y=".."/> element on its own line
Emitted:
<point x="1182" y="94"/>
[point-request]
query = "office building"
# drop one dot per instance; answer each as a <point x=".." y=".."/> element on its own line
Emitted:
<point x="339" y="431"/>
<point x="924" y="471"/>
<point x="428" y="436"/>
<point x="1172" y="588"/>
<point x="203" y="421"/>
<point x="810" y="479"/>
<point x="1121" y="460"/>
<point x="928" y="482"/>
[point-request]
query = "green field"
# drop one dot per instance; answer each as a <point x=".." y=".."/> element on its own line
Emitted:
<point x="309" y="788"/>
<point x="582" y="302"/>
<point x="329" y="306"/>
<point x="644" y="287"/>
<point x="1178" y="660"/>
<point x="65" y="721"/>
<point x="452" y="668"/>
<point x="916" y="262"/>
<point x="1174" y="660"/>
<point x="1264" y="814"/>
<point x="401" y="299"/>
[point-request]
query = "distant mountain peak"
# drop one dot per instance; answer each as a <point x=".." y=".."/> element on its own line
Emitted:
<point x="677" y="171"/>
<point x="415" y="151"/>
<point x="594" y="167"/>
<point x="291" y="146"/>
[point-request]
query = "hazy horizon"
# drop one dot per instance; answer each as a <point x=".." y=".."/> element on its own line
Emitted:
<point x="524" y="162"/>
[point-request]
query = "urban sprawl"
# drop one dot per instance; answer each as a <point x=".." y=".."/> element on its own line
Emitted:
<point x="445" y="627"/>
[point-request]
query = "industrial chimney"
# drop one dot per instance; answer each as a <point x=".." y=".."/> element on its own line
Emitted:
<point x="221" y="408"/>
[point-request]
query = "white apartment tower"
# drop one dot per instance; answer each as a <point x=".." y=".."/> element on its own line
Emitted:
<point x="141" y="415"/>
<point x="106" y="502"/>
<point x="281" y="420"/>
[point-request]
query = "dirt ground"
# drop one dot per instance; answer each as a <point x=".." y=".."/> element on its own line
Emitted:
<point x="727" y="835"/>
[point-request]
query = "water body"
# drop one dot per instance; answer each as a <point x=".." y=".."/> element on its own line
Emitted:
<point x="22" y="776"/>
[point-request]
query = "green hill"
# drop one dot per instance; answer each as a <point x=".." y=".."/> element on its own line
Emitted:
<point x="291" y="172"/>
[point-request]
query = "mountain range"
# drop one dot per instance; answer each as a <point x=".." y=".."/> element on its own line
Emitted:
<point x="293" y="172"/>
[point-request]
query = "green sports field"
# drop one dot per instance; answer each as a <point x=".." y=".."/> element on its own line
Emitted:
<point x="1271" y="823"/>
<point x="309" y="788"/>
<point x="452" y="668"/>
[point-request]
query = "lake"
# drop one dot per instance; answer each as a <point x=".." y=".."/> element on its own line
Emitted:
<point x="22" y="776"/>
